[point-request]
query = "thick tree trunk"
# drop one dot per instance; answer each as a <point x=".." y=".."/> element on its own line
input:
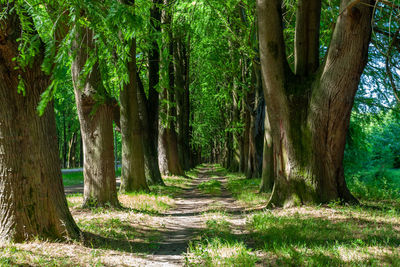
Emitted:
<point x="168" y="148"/>
<point x="255" y="103"/>
<point x="32" y="200"/>
<point x="168" y="157"/>
<point x="174" y="165"/>
<point x="182" y="101"/>
<point x="96" y="120"/>
<point x="151" y="105"/>
<point x="152" y="169"/>
<point x="309" y="113"/>
<point x="133" y="176"/>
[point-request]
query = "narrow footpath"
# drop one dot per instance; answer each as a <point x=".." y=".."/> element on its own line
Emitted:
<point x="184" y="222"/>
<point x="187" y="219"/>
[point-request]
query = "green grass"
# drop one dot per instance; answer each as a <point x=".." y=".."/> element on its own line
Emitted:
<point x="217" y="246"/>
<point x="212" y="187"/>
<point x="123" y="231"/>
<point x="307" y="239"/>
<point x="147" y="202"/>
<point x="246" y="190"/>
<point x="76" y="178"/>
<point x="376" y="184"/>
<point x="70" y="179"/>
<point x="12" y="256"/>
<point x="174" y="185"/>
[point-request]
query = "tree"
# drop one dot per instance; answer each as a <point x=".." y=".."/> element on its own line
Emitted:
<point x="133" y="175"/>
<point x="168" y="140"/>
<point x="96" y="114"/>
<point x="32" y="200"/>
<point x="150" y="106"/>
<point x="309" y="108"/>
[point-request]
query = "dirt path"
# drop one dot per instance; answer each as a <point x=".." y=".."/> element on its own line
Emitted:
<point x="187" y="219"/>
<point x="184" y="221"/>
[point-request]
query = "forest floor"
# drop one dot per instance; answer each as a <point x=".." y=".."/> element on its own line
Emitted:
<point x="213" y="217"/>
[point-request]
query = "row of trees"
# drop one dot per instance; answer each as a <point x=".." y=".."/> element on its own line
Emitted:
<point x="240" y="83"/>
<point x="42" y="42"/>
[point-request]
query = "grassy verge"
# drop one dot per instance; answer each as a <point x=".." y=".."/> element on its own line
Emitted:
<point x="376" y="184"/>
<point x="174" y="185"/>
<point x="76" y="178"/>
<point x="218" y="246"/>
<point x="328" y="236"/>
<point x="246" y="191"/>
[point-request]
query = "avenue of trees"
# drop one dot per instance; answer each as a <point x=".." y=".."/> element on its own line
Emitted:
<point x="269" y="88"/>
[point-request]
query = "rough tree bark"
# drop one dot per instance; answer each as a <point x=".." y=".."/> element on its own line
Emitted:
<point x="152" y="169"/>
<point x="168" y="141"/>
<point x="256" y="106"/>
<point x="133" y="176"/>
<point x="181" y="67"/>
<point x="32" y="200"/>
<point x="96" y="121"/>
<point x="174" y="164"/>
<point x="150" y="105"/>
<point x="309" y="110"/>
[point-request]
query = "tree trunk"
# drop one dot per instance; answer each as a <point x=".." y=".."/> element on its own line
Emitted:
<point x="246" y="139"/>
<point x="133" y="176"/>
<point x="81" y="158"/>
<point x="72" y="151"/>
<point x="182" y="101"/>
<point x="162" y="149"/>
<point x="64" y="150"/>
<point x="309" y="111"/>
<point x="169" y="141"/>
<point x="236" y="158"/>
<point x="32" y="200"/>
<point x="267" y="176"/>
<point x="174" y="165"/>
<point x="250" y="131"/>
<point x="256" y="106"/>
<point x="152" y="169"/>
<point x="96" y="120"/>
<point x="151" y="105"/>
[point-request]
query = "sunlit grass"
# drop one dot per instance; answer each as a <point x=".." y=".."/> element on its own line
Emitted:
<point x="123" y="229"/>
<point x="246" y="191"/>
<point x="324" y="236"/>
<point x="217" y="246"/>
<point x="13" y="256"/>
<point x="146" y="202"/>
<point x="137" y="201"/>
<point x="76" y="178"/>
<point x="212" y="187"/>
